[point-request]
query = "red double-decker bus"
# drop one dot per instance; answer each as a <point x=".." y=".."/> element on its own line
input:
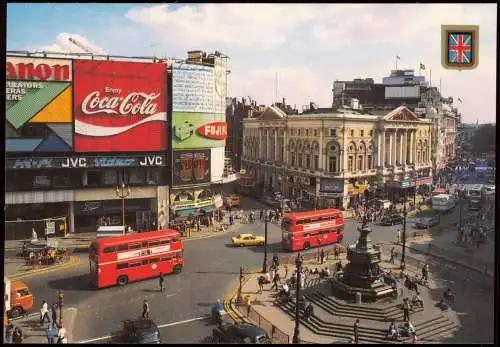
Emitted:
<point x="303" y="230"/>
<point x="122" y="259"/>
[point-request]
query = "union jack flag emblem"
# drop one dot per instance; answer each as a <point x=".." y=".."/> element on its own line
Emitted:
<point x="460" y="48"/>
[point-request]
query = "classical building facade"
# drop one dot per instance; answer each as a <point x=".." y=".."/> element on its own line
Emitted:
<point x="330" y="158"/>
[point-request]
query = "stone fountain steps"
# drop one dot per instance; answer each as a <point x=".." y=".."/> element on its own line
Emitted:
<point x="335" y="307"/>
<point x="337" y="330"/>
<point x="426" y="330"/>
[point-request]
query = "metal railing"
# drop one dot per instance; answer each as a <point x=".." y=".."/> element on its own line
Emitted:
<point x="276" y="335"/>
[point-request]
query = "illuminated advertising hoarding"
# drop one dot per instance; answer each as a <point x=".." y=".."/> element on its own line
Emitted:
<point x="38" y="100"/>
<point x="198" y="106"/>
<point x="120" y="106"/>
<point x="191" y="167"/>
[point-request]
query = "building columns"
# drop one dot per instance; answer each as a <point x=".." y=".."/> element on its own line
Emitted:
<point x="71" y="218"/>
<point x="276" y="147"/>
<point x="401" y="145"/>
<point x="412" y="138"/>
<point x="321" y="161"/>
<point x="391" y="159"/>
<point x="383" y="154"/>
<point x="379" y="148"/>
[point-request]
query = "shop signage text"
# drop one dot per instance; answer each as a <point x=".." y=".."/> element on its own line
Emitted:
<point x="85" y="162"/>
<point x="41" y="72"/>
<point x="111" y="102"/>
<point x="214" y="130"/>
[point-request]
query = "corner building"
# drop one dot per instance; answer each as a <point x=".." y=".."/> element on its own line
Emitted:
<point x="329" y="159"/>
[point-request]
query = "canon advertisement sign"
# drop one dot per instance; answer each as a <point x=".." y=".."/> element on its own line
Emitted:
<point x="119" y="106"/>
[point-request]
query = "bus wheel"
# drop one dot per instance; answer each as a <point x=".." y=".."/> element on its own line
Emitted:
<point x="177" y="269"/>
<point x="307" y="245"/>
<point x="122" y="280"/>
<point x="16" y="312"/>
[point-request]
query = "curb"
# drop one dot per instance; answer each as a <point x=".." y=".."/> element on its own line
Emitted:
<point x="74" y="261"/>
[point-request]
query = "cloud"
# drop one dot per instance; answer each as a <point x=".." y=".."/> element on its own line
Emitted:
<point x="62" y="44"/>
<point x="262" y="25"/>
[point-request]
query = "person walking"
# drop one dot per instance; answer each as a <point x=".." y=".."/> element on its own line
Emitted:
<point x="261" y="216"/>
<point x="61" y="335"/>
<point x="260" y="281"/>
<point x="162" y="283"/>
<point x="17" y="336"/>
<point x="356" y="331"/>
<point x="54" y="316"/>
<point x="146" y="311"/>
<point x="286" y="270"/>
<point x="50" y="334"/>
<point x="276" y="281"/>
<point x="406" y="309"/>
<point x="44" y="312"/>
<point x="393" y="256"/>
<point x="398" y="236"/>
<point x="336" y="252"/>
<point x="322" y="256"/>
<point x="425" y="272"/>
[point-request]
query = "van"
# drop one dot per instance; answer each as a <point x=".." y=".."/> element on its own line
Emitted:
<point x="385" y="204"/>
<point x="18" y="298"/>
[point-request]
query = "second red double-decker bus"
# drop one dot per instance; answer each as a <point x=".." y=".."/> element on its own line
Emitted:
<point x="303" y="230"/>
<point x="122" y="259"/>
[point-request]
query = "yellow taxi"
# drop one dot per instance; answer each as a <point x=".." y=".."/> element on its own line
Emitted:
<point x="247" y="240"/>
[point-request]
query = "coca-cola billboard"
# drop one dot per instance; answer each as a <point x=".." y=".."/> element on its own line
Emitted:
<point x="120" y="106"/>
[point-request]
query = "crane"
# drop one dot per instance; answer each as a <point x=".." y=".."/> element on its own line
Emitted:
<point x="81" y="45"/>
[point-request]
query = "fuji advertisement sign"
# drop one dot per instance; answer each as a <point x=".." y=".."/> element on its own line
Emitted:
<point x="214" y="130"/>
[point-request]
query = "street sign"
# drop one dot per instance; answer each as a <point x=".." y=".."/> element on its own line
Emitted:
<point x="405" y="183"/>
<point x="51" y="228"/>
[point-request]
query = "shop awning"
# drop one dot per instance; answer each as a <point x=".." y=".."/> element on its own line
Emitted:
<point x="187" y="212"/>
<point x="208" y="209"/>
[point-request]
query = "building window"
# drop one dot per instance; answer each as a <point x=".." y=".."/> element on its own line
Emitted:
<point x="293" y="158"/>
<point x="333" y="132"/>
<point x="316" y="162"/>
<point x="110" y="177"/>
<point x="362" y="133"/>
<point x="300" y="159"/>
<point x="349" y="163"/>
<point x="352" y="132"/>
<point x="307" y="132"/>
<point x="332" y="164"/>
<point x="315" y="132"/>
<point x="93" y="178"/>
<point x="308" y="161"/>
<point x="371" y="132"/>
<point x="299" y="132"/>
<point x="369" y="162"/>
<point x="360" y="163"/>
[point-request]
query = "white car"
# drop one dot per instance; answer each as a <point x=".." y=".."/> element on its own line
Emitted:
<point x="490" y="187"/>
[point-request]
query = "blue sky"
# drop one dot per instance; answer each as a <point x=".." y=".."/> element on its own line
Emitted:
<point x="307" y="45"/>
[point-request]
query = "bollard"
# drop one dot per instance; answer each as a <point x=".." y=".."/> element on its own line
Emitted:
<point x="358" y="297"/>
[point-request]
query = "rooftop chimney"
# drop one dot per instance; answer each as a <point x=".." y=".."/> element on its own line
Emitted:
<point x="195" y="57"/>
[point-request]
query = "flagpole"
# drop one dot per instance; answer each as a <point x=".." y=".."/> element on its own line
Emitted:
<point x="396" y="62"/>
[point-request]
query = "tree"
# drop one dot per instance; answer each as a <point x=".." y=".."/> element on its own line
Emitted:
<point x="484" y="139"/>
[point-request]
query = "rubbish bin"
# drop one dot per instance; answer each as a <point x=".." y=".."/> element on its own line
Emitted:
<point x="358" y="297"/>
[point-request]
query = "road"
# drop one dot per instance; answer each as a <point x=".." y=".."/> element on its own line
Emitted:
<point x="211" y="271"/>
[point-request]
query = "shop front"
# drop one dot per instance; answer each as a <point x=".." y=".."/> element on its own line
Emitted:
<point x="140" y="214"/>
<point x="331" y="193"/>
<point x="355" y="193"/>
<point x="187" y="204"/>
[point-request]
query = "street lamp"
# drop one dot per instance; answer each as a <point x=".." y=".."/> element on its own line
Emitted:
<point x="403" y="263"/>
<point x="296" y="332"/>
<point x="123" y="192"/>
<point x="264" y="264"/>
<point x="239" y="298"/>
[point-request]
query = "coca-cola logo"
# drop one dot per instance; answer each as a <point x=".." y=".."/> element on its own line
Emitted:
<point x="214" y="130"/>
<point x="135" y="103"/>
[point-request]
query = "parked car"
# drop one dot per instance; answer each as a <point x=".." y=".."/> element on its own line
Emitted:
<point x="391" y="219"/>
<point x="240" y="333"/>
<point x="141" y="331"/>
<point x="426" y="222"/>
<point x="247" y="240"/>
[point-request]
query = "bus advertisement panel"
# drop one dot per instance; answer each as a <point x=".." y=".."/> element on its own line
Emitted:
<point x="134" y="257"/>
<point x="303" y="230"/>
